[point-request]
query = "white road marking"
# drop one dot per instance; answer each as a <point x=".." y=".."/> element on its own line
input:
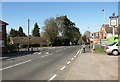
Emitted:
<point x="53" y="77"/>
<point x="47" y="52"/>
<point x="80" y="51"/>
<point x="35" y="53"/>
<point x="39" y="53"/>
<point x="68" y="62"/>
<point x="63" y="68"/>
<point x="74" y="56"/>
<point x="15" y="65"/>
<point x="59" y="50"/>
<point x="72" y="59"/>
<point x="46" y="55"/>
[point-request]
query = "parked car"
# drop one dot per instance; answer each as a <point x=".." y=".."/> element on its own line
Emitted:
<point x="113" y="48"/>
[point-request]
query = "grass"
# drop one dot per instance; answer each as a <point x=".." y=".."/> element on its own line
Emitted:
<point x="99" y="50"/>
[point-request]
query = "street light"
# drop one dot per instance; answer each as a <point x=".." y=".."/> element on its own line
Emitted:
<point x="103" y="17"/>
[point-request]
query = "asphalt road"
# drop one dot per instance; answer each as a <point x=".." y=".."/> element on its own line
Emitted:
<point x="48" y="64"/>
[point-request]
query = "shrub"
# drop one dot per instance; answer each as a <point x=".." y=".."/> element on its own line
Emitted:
<point x="11" y="48"/>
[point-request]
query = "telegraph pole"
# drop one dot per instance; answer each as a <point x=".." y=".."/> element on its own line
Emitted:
<point x="28" y="33"/>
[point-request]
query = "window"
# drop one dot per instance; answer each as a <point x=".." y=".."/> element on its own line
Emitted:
<point x="2" y="44"/>
<point x="0" y="28"/>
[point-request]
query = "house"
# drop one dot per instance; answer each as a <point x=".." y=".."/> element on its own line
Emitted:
<point x="94" y="37"/>
<point x="3" y="36"/>
<point x="107" y="32"/>
<point x="32" y="40"/>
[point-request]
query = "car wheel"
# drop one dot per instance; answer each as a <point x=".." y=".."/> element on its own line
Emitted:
<point x="115" y="52"/>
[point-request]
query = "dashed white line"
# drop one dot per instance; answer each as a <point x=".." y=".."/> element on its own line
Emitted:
<point x="74" y="56"/>
<point x="63" y="68"/>
<point x="53" y="77"/>
<point x="15" y="65"/>
<point x="46" y="55"/>
<point x="81" y="51"/>
<point x="72" y="59"/>
<point x="68" y="62"/>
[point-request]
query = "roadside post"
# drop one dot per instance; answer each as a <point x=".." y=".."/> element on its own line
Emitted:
<point x="113" y="22"/>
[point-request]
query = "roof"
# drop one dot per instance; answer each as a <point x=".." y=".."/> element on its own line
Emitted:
<point x="3" y="23"/>
<point x="109" y="29"/>
<point x="24" y="40"/>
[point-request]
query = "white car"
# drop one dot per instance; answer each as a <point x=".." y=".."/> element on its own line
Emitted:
<point x="113" y="48"/>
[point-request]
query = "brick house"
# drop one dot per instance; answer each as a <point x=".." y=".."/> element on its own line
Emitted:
<point x="107" y="32"/>
<point x="3" y="36"/>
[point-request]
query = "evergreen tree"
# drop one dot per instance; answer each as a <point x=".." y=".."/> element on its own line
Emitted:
<point x="35" y="31"/>
<point x="20" y="31"/>
<point x="13" y="33"/>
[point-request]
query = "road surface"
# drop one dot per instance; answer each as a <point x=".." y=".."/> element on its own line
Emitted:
<point x="47" y="64"/>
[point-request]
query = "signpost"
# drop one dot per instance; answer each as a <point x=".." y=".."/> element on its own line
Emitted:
<point x="113" y="22"/>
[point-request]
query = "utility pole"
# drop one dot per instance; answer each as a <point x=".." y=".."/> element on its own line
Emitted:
<point x="28" y="33"/>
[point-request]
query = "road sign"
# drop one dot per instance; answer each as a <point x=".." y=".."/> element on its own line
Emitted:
<point x="113" y="21"/>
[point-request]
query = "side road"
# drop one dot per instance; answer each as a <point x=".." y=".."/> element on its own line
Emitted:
<point x="91" y="66"/>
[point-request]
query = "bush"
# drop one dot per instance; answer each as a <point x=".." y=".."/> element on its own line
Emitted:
<point x="11" y="48"/>
<point x="21" y="46"/>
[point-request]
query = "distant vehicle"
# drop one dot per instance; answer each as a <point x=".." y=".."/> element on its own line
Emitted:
<point x="113" y="48"/>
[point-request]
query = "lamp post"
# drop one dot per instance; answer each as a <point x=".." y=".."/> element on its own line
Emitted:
<point x="103" y="16"/>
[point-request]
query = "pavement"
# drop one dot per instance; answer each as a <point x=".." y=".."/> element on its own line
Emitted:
<point x="91" y="66"/>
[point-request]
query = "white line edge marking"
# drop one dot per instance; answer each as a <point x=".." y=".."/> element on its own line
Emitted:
<point x="53" y="77"/>
<point x="15" y="65"/>
<point x="63" y="68"/>
<point x="72" y="59"/>
<point x="68" y="62"/>
<point x="74" y="56"/>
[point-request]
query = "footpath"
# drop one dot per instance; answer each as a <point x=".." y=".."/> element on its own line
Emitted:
<point x="94" y="66"/>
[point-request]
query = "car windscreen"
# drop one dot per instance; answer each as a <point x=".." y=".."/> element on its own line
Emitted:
<point x="112" y="44"/>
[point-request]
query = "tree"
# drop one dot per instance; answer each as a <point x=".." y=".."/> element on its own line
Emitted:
<point x="51" y="29"/>
<point x="35" y="31"/>
<point x="84" y="38"/>
<point x="20" y="32"/>
<point x="13" y="33"/>
<point x="87" y="33"/>
<point x="69" y="29"/>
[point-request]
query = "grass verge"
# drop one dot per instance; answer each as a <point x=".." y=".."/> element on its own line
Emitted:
<point x="99" y="50"/>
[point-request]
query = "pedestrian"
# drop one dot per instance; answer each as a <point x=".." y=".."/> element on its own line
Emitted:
<point x="83" y="48"/>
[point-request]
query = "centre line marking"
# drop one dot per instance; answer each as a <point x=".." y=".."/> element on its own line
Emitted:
<point x="53" y="77"/>
<point x="68" y="62"/>
<point x="14" y="65"/>
<point x="46" y="55"/>
<point x="72" y="59"/>
<point x="62" y="68"/>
